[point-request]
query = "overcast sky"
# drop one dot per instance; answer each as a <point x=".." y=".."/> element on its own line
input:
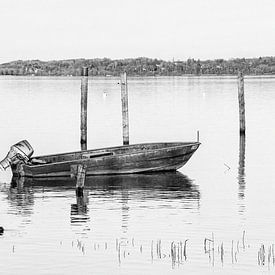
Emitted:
<point x="166" y="29"/>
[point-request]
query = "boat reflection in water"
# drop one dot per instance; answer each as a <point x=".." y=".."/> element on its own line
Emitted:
<point x="164" y="187"/>
<point x="160" y="185"/>
<point x="22" y="189"/>
<point x="20" y="198"/>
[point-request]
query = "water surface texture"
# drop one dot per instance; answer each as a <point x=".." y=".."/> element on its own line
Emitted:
<point x="216" y="214"/>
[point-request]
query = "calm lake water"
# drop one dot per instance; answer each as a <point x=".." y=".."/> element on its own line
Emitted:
<point x="142" y="224"/>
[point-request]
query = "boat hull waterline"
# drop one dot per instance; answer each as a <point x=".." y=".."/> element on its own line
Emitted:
<point x="136" y="158"/>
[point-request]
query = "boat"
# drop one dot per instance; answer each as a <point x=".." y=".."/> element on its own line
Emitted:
<point x="126" y="159"/>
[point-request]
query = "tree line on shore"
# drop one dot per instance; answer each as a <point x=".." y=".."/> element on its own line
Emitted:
<point x="141" y="66"/>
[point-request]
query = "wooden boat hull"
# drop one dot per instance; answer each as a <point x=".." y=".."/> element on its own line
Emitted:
<point x="136" y="158"/>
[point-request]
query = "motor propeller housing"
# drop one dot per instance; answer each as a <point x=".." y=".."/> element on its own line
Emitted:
<point x="19" y="152"/>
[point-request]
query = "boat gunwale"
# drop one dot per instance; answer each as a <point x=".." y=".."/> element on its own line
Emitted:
<point x="179" y="144"/>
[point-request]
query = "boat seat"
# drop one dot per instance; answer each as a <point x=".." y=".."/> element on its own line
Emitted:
<point x="35" y="161"/>
<point x="98" y="154"/>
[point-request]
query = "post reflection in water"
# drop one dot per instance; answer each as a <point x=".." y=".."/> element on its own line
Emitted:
<point x="241" y="172"/>
<point x="79" y="210"/>
<point x="124" y="210"/>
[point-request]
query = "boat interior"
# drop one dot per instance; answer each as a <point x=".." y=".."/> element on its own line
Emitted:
<point x="102" y="152"/>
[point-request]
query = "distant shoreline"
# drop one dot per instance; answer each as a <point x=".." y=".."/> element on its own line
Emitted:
<point x="141" y="67"/>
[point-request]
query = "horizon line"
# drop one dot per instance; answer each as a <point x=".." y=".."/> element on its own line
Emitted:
<point x="167" y="60"/>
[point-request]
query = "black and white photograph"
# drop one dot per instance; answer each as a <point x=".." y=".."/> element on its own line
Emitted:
<point x="137" y="137"/>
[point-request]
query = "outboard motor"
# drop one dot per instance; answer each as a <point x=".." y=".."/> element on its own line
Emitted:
<point x="20" y="152"/>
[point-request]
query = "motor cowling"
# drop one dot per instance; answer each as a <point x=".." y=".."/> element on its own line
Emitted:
<point x="19" y="152"/>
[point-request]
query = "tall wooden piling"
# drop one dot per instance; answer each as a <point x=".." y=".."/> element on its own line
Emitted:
<point x="84" y="97"/>
<point x="80" y="179"/>
<point x="241" y="102"/>
<point x="124" y="103"/>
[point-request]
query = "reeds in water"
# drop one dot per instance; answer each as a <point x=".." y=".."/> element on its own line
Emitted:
<point x="266" y="254"/>
<point x="178" y="252"/>
<point x="209" y="249"/>
<point x="261" y="255"/>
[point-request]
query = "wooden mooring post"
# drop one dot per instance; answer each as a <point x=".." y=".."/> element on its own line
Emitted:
<point x="80" y="180"/>
<point x="124" y="103"/>
<point x="241" y="102"/>
<point x="84" y="97"/>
